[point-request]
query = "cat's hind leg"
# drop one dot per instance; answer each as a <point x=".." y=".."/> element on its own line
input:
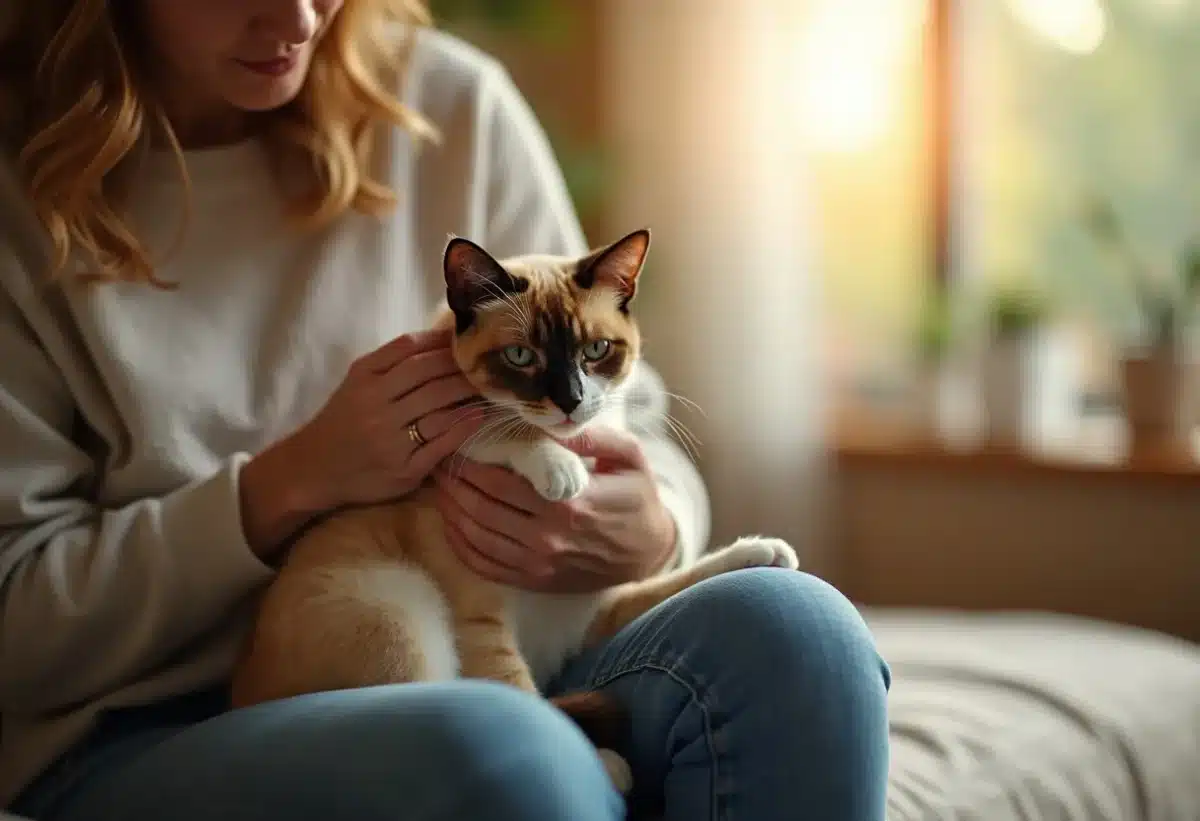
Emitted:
<point x="629" y="601"/>
<point x="355" y="624"/>
<point x="487" y="646"/>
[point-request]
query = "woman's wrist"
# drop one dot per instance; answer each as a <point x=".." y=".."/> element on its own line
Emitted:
<point x="279" y="496"/>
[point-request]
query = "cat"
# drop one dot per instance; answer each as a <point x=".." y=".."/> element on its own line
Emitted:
<point x="374" y="595"/>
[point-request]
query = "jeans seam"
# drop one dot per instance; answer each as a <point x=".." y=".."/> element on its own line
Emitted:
<point x="702" y="703"/>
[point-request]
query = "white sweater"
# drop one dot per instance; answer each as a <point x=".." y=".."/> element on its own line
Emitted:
<point x="126" y="412"/>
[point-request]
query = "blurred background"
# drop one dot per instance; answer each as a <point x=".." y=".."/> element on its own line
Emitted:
<point x="926" y="267"/>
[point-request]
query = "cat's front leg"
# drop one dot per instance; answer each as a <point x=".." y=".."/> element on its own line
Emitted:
<point x="556" y="473"/>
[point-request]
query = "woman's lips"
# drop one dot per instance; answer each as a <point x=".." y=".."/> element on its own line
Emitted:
<point x="270" y="68"/>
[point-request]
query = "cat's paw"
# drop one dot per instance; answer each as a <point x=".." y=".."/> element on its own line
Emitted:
<point x="618" y="770"/>
<point x="756" y="551"/>
<point x="557" y="475"/>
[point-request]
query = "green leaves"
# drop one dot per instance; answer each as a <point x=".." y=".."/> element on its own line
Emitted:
<point x="1164" y="301"/>
<point x="1017" y="309"/>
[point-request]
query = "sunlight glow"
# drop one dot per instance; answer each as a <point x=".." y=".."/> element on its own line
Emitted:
<point x="847" y="69"/>
<point x="1076" y="26"/>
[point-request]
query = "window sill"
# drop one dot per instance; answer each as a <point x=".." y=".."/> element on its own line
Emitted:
<point x="1100" y="449"/>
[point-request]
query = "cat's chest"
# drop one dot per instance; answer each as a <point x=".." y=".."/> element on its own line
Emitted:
<point x="550" y="628"/>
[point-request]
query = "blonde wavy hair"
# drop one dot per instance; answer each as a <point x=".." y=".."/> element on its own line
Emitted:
<point x="77" y="110"/>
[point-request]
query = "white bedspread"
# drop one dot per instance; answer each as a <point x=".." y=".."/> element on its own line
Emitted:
<point x="1032" y="717"/>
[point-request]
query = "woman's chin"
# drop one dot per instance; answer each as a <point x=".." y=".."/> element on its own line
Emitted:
<point x="258" y="93"/>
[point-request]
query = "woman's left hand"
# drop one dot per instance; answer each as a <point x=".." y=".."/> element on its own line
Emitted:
<point x="617" y="530"/>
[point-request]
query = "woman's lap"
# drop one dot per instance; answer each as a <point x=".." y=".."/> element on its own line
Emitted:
<point x="756" y="696"/>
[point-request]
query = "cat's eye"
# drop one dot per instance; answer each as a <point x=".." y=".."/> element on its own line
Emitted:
<point x="596" y="350"/>
<point x="519" y="356"/>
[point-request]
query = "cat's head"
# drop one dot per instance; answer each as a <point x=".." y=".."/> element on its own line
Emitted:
<point x="549" y="338"/>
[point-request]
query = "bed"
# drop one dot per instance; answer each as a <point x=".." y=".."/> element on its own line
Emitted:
<point x="1036" y="717"/>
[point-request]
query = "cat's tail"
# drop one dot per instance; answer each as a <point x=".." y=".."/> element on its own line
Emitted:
<point x="606" y="723"/>
<point x="603" y="719"/>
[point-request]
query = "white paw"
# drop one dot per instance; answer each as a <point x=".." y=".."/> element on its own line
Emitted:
<point x="558" y="475"/>
<point x="618" y="770"/>
<point x="757" y="551"/>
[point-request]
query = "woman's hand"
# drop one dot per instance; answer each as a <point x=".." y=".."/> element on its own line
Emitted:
<point x="616" y="531"/>
<point x="358" y="449"/>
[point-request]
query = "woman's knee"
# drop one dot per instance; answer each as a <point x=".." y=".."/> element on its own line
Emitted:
<point x="477" y="750"/>
<point x="781" y="620"/>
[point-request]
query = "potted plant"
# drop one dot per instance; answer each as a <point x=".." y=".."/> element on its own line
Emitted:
<point x="1153" y="371"/>
<point x="1015" y="313"/>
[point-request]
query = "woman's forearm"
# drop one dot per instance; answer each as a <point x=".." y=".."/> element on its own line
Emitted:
<point x="280" y="494"/>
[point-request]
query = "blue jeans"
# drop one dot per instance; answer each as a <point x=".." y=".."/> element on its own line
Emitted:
<point x="756" y="696"/>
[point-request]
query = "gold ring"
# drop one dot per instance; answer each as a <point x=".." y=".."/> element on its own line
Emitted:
<point x="415" y="435"/>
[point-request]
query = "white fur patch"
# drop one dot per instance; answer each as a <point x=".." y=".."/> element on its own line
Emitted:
<point x="417" y="602"/>
<point x="550" y="628"/>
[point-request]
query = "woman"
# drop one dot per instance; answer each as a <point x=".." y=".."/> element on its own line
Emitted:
<point x="242" y="205"/>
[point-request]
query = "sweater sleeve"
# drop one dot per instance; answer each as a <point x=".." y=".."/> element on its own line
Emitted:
<point x="527" y="209"/>
<point x="91" y="597"/>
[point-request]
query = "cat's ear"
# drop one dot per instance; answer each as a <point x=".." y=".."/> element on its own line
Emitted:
<point x="617" y="266"/>
<point x="473" y="276"/>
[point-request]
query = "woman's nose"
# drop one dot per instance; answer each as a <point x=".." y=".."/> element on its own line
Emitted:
<point x="290" y="21"/>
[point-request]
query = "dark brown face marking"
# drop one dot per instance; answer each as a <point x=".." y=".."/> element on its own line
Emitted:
<point x="523" y="385"/>
<point x="613" y="365"/>
<point x="554" y="333"/>
<point x="560" y="328"/>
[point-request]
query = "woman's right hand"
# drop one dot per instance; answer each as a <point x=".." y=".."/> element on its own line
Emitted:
<point x="358" y="449"/>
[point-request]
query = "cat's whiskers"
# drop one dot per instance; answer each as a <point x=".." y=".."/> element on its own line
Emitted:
<point x="496" y="420"/>
<point x="688" y="440"/>
<point x="686" y="402"/>
<point x="505" y="424"/>
<point x="472" y="406"/>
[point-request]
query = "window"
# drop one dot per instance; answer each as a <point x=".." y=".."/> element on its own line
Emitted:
<point x="1055" y="107"/>
<point x="1065" y="106"/>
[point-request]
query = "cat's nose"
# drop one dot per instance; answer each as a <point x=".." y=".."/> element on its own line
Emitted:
<point x="567" y="404"/>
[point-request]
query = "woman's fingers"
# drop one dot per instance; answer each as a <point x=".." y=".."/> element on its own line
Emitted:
<point x="506" y="486"/>
<point x="438" y="394"/>
<point x="390" y="354"/>
<point x="481" y="564"/>
<point x="493" y="514"/>
<point x="412" y="373"/>
<point x="494" y="552"/>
